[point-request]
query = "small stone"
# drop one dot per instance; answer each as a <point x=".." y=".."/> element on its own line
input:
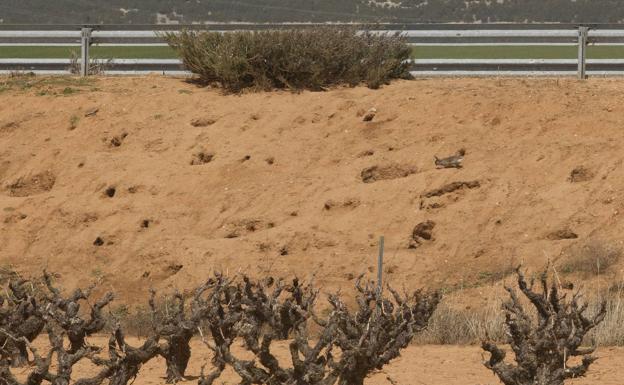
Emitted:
<point x="370" y="115"/>
<point x="91" y="112"/>
<point x="202" y="122"/>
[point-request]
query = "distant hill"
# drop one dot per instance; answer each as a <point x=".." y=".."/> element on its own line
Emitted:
<point x="196" y="11"/>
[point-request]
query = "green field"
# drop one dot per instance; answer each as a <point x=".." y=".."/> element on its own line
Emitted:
<point x="423" y="52"/>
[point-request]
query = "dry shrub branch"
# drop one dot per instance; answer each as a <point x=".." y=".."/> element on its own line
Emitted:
<point x="347" y="345"/>
<point x="543" y="345"/>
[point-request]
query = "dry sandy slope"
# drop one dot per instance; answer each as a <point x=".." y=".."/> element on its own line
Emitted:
<point x="266" y="214"/>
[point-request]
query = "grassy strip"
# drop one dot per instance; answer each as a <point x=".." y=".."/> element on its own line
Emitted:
<point x="64" y="52"/>
<point x="422" y="52"/>
<point x="516" y="52"/>
<point x="493" y="52"/>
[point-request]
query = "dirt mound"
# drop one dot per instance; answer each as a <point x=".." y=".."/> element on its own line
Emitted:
<point x="346" y="203"/>
<point x="386" y="172"/>
<point x="32" y="184"/>
<point x="202" y="122"/>
<point x="581" y="174"/>
<point x="449" y="193"/>
<point x="451" y="187"/>
<point x="562" y="234"/>
<point x="422" y="232"/>
<point x="134" y="196"/>
<point x="202" y="157"/>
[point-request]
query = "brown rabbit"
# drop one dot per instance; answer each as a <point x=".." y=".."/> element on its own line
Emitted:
<point x="454" y="161"/>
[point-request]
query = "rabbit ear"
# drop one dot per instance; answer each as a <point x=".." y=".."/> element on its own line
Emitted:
<point x="436" y="158"/>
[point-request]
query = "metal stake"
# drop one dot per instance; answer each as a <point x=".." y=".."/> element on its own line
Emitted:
<point x="380" y="264"/>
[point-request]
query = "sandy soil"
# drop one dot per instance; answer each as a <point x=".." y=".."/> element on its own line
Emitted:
<point x="154" y="182"/>
<point x="418" y="365"/>
<point x="271" y="183"/>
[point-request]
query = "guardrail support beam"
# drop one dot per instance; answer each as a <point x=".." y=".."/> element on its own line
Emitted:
<point x="85" y="43"/>
<point x="582" y="52"/>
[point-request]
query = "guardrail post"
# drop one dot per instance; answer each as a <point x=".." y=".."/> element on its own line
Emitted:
<point x="582" y="52"/>
<point x="85" y="43"/>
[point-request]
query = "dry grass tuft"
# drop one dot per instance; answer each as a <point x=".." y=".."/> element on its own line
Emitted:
<point x="610" y="332"/>
<point x="593" y="257"/>
<point x="450" y="325"/>
<point x="455" y="325"/>
<point x="96" y="66"/>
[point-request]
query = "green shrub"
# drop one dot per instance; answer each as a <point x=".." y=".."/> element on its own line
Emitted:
<point x="312" y="58"/>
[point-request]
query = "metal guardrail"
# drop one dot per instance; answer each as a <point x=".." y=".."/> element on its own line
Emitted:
<point x="416" y="34"/>
<point x="112" y="67"/>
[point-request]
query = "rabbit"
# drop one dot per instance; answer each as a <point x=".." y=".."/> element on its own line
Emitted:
<point x="454" y="161"/>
